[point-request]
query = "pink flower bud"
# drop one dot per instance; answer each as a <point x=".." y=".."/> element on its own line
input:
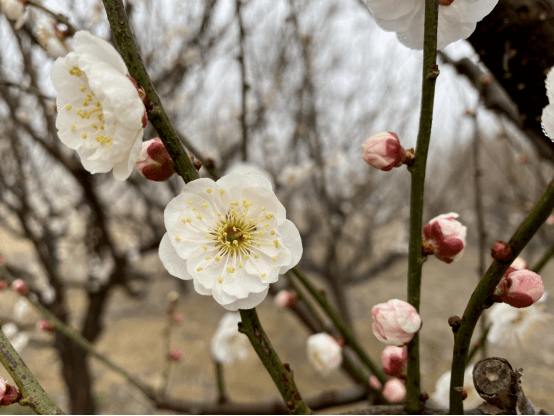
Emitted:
<point x="519" y="264"/>
<point x="501" y="251"/>
<point x="324" y="352"/>
<point x="394" y="390"/>
<point x="20" y="287"/>
<point x="383" y="151"/>
<point x="8" y="394"/>
<point x="3" y="284"/>
<point x="285" y="298"/>
<point x="520" y="288"/>
<point x="45" y="325"/>
<point x="395" y="322"/>
<point x="154" y="162"/>
<point x="445" y="237"/>
<point x="395" y="361"/>
<point x="375" y="383"/>
<point x="175" y="355"/>
<point x="177" y="318"/>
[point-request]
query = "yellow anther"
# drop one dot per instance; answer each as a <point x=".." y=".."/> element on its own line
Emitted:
<point x="209" y="191"/>
<point x="235" y="242"/>
<point x="208" y="236"/>
<point x="199" y="217"/>
<point x="251" y="221"/>
<point x="98" y="104"/>
<point x="258" y="244"/>
<point x="240" y="265"/>
<point x="263" y="208"/>
<point x="228" y="243"/>
<point x="266" y="224"/>
<point x="235" y="213"/>
<point x="276" y="243"/>
<point x="219" y="214"/>
<point x="101" y="127"/>
<point x="207" y="257"/>
<point x="260" y="233"/>
<point x="246" y="256"/>
<point x="177" y="238"/>
<point x="85" y="103"/>
<point x="256" y="256"/>
<point x="274" y="259"/>
<point x="199" y="269"/>
<point x="217" y="258"/>
<point x="221" y="191"/>
<point x="225" y="234"/>
<point x="194" y="208"/>
<point x="184" y="221"/>
<point x="272" y="232"/>
<point x="68" y="107"/>
<point x="83" y="89"/>
<point x="236" y="203"/>
<point x="220" y="280"/>
<point x="189" y="202"/>
<point x="264" y="275"/>
<point x="73" y="128"/>
<point x="95" y="127"/>
<point x="189" y="220"/>
<point x="84" y="135"/>
<point x="205" y="247"/>
<point x="230" y="270"/>
<point x="204" y="205"/>
<point x="269" y="216"/>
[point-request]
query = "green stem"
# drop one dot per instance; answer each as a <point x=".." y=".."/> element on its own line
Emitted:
<point x="87" y="346"/>
<point x="416" y="259"/>
<point x="542" y="262"/>
<point x="341" y="325"/>
<point x="281" y="375"/>
<point x="222" y="396"/>
<point x="480" y="298"/>
<point x="157" y="115"/>
<point x="31" y="391"/>
<point x="58" y="16"/>
<point x="480" y="345"/>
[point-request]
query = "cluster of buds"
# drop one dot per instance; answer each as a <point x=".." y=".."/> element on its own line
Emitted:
<point x="445" y="237"/>
<point x="383" y="151"/>
<point x="20" y="287"/>
<point x="286" y="298"/>
<point x="8" y="393"/>
<point x="395" y="322"/>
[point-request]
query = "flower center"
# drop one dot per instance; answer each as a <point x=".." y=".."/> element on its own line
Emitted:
<point x="89" y="129"/>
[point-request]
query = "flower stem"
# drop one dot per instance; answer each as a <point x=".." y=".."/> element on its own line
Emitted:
<point x="157" y="116"/>
<point x="416" y="259"/>
<point x="31" y="391"/>
<point x="478" y="301"/>
<point x="222" y="396"/>
<point x="542" y="262"/>
<point x="341" y="325"/>
<point x="281" y="375"/>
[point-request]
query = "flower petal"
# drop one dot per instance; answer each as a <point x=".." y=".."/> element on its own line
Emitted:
<point x="84" y="42"/>
<point x="175" y="265"/>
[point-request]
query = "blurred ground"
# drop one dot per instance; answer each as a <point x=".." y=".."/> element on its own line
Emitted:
<point x="133" y="328"/>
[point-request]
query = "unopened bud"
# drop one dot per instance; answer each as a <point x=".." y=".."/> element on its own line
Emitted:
<point x="8" y="393"/>
<point x="154" y="162"/>
<point x="383" y="151"/>
<point x="375" y="383"/>
<point x="395" y="361"/>
<point x="520" y="288"/>
<point x="45" y="325"/>
<point x="177" y="318"/>
<point x="501" y="251"/>
<point x="175" y="355"/>
<point x="445" y="237"/>
<point x="20" y="287"/>
<point x="285" y="298"/>
<point x="395" y="322"/>
<point x="394" y="390"/>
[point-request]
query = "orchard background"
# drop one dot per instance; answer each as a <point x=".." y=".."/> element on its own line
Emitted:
<point x="293" y="88"/>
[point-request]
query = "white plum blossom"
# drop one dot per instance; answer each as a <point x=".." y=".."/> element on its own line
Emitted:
<point x="457" y="19"/>
<point x="510" y="326"/>
<point x="51" y="39"/>
<point x="100" y="113"/>
<point x="228" y="344"/>
<point x="324" y="353"/>
<point x="548" y="111"/>
<point x="246" y="168"/>
<point x="14" y="10"/>
<point x="231" y="237"/>
<point x="441" y="396"/>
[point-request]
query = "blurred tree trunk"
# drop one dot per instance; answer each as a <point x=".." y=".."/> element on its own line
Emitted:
<point x="516" y="43"/>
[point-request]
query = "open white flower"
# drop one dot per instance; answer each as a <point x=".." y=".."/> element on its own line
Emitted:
<point x="548" y="111"/>
<point x="100" y="113"/>
<point x="231" y="237"/>
<point x="228" y="344"/>
<point x="324" y="353"/>
<point x="510" y="326"/>
<point x="441" y="396"/>
<point x="457" y="19"/>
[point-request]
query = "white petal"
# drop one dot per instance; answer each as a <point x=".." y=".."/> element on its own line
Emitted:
<point x="548" y="120"/>
<point x="240" y="284"/>
<point x="389" y="10"/>
<point x="292" y="241"/>
<point x="175" y="265"/>
<point x="253" y="300"/>
<point x="122" y="169"/>
<point x="84" y="42"/>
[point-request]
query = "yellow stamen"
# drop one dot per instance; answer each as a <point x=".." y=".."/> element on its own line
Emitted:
<point x="68" y="107"/>
<point x="199" y="269"/>
<point x="209" y="191"/>
<point x="177" y="239"/>
<point x="217" y="258"/>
